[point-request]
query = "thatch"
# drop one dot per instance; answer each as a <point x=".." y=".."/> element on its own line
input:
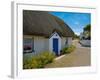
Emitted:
<point x="42" y="23"/>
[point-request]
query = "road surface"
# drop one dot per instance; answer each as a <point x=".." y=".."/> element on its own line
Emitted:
<point x="80" y="57"/>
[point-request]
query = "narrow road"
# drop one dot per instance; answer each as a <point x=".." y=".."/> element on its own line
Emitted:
<point x="80" y="57"/>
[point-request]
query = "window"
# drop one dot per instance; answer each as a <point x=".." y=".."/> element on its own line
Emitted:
<point x="66" y="41"/>
<point x="28" y="45"/>
<point x="56" y="35"/>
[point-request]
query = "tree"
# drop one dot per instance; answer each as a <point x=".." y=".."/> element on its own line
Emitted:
<point x="87" y="28"/>
<point x="87" y="31"/>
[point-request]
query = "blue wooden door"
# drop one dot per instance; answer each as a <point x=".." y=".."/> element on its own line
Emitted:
<point x="55" y="45"/>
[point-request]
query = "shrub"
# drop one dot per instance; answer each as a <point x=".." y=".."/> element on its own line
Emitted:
<point x="46" y="57"/>
<point x="29" y="63"/>
<point x="68" y="49"/>
<point x="38" y="61"/>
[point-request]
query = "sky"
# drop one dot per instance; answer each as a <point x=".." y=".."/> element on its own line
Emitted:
<point x="76" y="21"/>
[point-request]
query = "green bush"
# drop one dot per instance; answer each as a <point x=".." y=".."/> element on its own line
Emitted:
<point x="68" y="49"/>
<point x="38" y="61"/>
<point x="46" y="57"/>
<point x="29" y="63"/>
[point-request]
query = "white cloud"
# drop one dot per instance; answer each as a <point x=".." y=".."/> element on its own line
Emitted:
<point x="77" y="33"/>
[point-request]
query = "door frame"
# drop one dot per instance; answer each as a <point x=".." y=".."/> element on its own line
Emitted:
<point x="54" y="35"/>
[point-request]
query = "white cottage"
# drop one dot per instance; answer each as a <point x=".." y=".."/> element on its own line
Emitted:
<point x="44" y="32"/>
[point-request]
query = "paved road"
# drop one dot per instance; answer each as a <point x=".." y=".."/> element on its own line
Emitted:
<point x="80" y="57"/>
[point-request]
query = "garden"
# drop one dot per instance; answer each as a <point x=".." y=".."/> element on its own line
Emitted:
<point x="43" y="58"/>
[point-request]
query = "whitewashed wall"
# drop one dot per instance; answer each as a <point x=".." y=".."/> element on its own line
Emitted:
<point x="69" y="41"/>
<point x="66" y="41"/>
<point x="41" y="44"/>
<point x="85" y="42"/>
<point x="63" y="41"/>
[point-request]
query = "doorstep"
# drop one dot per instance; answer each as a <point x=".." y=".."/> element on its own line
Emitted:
<point x="59" y="57"/>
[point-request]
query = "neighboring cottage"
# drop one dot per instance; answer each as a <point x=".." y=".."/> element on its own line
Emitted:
<point x="44" y="32"/>
<point x="85" y="39"/>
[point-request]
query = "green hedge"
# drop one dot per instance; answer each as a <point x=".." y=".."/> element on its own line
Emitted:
<point x="68" y="49"/>
<point x="38" y="61"/>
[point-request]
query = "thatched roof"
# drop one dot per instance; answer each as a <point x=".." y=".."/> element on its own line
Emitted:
<point x="42" y="23"/>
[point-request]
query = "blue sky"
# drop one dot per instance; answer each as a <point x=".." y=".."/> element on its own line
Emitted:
<point x="76" y="21"/>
